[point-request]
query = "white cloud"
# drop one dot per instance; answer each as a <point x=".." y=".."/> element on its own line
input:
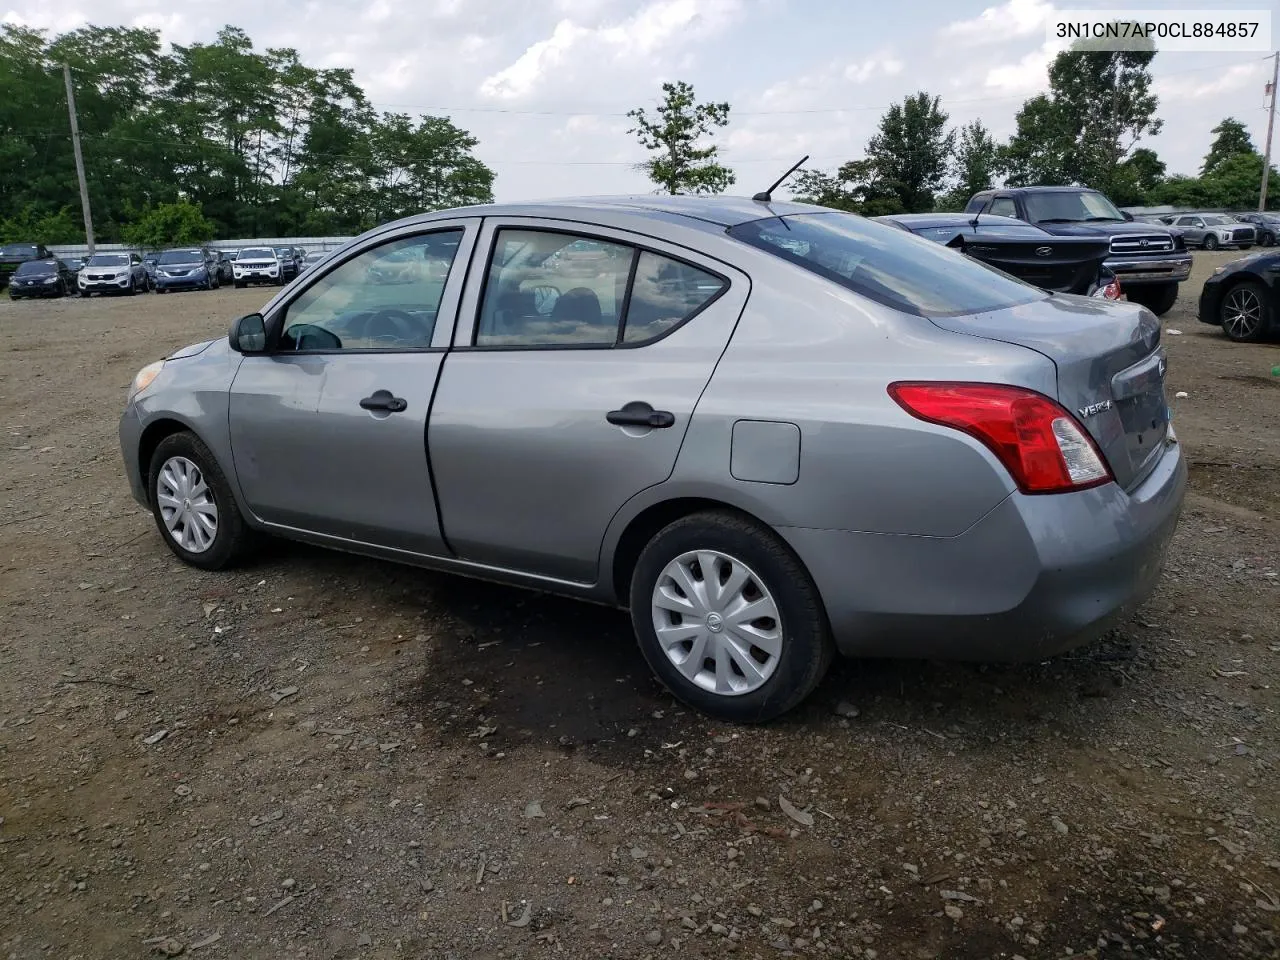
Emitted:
<point x="885" y="65"/>
<point x="1011" y="20"/>
<point x="1026" y="76"/>
<point x="652" y="34"/>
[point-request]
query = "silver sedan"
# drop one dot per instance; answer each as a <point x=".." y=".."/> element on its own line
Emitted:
<point x="771" y="431"/>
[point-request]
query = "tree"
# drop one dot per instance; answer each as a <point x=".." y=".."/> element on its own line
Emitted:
<point x="33" y="227"/>
<point x="912" y="150"/>
<point x="974" y="166"/>
<point x="1098" y="108"/>
<point x="1137" y="178"/>
<point x="856" y="187"/>
<point x="169" y="224"/>
<point x="685" y="162"/>
<point x="1230" y="139"/>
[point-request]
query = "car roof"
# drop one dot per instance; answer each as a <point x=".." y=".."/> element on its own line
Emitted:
<point x="1058" y="189"/>
<point x="725" y="211"/>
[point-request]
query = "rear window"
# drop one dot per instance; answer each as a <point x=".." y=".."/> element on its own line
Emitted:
<point x="36" y="268"/>
<point x="887" y="265"/>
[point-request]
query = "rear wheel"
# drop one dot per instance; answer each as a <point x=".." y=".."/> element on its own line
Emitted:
<point x="1268" y="239"/>
<point x="728" y="618"/>
<point x="1211" y="241"/>
<point x="1244" y="313"/>
<point x="1159" y="298"/>
<point x="194" y="509"/>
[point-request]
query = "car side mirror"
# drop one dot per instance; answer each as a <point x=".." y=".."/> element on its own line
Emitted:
<point x="249" y="334"/>
<point x="1127" y="215"/>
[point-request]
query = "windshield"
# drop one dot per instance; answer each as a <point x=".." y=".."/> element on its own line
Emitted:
<point x="282" y="252"/>
<point x="14" y="250"/>
<point x="109" y="260"/>
<point x="888" y="265"/>
<point x="256" y="253"/>
<point x="36" y="268"/>
<point x="1066" y="206"/>
<point x="1218" y="221"/>
<point x="181" y="256"/>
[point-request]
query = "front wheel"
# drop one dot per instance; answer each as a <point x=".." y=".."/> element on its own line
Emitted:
<point x="1268" y="239"/>
<point x="1211" y="242"/>
<point x="1244" y="313"/>
<point x="728" y="618"/>
<point x="194" y="509"/>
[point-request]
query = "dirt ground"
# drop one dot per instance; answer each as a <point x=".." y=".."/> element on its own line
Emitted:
<point x="320" y="756"/>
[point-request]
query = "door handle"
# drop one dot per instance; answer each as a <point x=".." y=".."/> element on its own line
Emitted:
<point x="637" y="413"/>
<point x="383" y="400"/>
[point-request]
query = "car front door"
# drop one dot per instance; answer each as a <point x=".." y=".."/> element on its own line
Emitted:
<point x="579" y="356"/>
<point x="328" y="429"/>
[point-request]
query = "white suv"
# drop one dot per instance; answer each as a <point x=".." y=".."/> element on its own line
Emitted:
<point x="257" y="265"/>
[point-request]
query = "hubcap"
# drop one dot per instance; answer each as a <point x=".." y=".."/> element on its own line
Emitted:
<point x="1242" y="313"/>
<point x="717" y="622"/>
<point x="186" y="505"/>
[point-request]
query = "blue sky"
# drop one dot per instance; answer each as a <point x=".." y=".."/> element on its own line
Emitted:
<point x="545" y="84"/>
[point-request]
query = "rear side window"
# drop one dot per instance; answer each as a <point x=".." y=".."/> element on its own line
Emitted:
<point x="889" y="266"/>
<point x="550" y="289"/>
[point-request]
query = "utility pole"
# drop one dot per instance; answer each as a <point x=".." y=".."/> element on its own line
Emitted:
<point x="1271" y="122"/>
<point x="75" y="146"/>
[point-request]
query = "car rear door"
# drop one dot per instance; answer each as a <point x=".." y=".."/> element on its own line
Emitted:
<point x="580" y="354"/>
<point x="328" y="430"/>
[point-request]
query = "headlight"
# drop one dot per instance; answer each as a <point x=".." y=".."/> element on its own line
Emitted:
<point x="50" y="279"/>
<point x="146" y="376"/>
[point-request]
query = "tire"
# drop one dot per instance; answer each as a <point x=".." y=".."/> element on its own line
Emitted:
<point x="1268" y="239"/>
<point x="132" y="291"/>
<point x="1210" y="241"/>
<point x="230" y="537"/>
<point x="744" y="548"/>
<point x="1158" y="298"/>
<point x="1245" y="313"/>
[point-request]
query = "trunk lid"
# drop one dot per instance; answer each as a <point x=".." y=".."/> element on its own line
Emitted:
<point x="1062" y="264"/>
<point x="1111" y="370"/>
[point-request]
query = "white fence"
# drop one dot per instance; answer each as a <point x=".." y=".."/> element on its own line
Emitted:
<point x="323" y="244"/>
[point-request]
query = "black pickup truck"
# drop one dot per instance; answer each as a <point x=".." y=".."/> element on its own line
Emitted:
<point x="1149" y="261"/>
<point x="14" y="254"/>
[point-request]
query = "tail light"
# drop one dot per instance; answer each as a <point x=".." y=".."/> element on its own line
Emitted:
<point x="1038" y="442"/>
<point x="1109" y="290"/>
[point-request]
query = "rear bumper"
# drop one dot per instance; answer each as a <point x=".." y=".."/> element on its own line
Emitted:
<point x="1173" y="268"/>
<point x="1035" y="577"/>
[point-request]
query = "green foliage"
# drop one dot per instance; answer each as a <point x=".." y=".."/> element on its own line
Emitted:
<point x="30" y="225"/>
<point x="685" y="162"/>
<point x="169" y="224"/>
<point x="1232" y="185"/>
<point x="1098" y="107"/>
<point x="1230" y="140"/>
<point x="856" y="187"/>
<point x="975" y="166"/>
<point x="1136" y="178"/>
<point x="257" y="141"/>
<point x="912" y="150"/>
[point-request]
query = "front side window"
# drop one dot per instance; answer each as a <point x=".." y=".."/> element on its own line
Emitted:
<point x="386" y="298"/>
<point x="892" y="267"/>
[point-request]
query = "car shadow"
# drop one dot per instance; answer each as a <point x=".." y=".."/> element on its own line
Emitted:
<point x="511" y="667"/>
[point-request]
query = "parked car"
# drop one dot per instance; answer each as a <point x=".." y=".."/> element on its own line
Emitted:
<point x="257" y="265"/>
<point x="1213" y="230"/>
<point x="1149" y="261"/>
<point x="1060" y="264"/>
<point x="74" y="265"/>
<point x="187" y="268"/>
<point x="1266" y="224"/>
<point x="1243" y="297"/>
<point x="313" y="258"/>
<point x="113" y="273"/>
<point x="783" y="431"/>
<point x="13" y="254"/>
<point x="41" y="278"/>
<point x="290" y="265"/>
<point x="225" y="273"/>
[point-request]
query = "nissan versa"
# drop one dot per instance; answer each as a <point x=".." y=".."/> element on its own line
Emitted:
<point x="771" y="431"/>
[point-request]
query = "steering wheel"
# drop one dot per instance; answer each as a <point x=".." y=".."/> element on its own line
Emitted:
<point x="391" y="325"/>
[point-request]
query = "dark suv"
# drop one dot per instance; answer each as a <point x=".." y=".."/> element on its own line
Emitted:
<point x="12" y="254"/>
<point x="1267" y="225"/>
<point x="1149" y="261"/>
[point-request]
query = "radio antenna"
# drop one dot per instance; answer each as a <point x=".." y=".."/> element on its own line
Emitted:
<point x="765" y="196"/>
